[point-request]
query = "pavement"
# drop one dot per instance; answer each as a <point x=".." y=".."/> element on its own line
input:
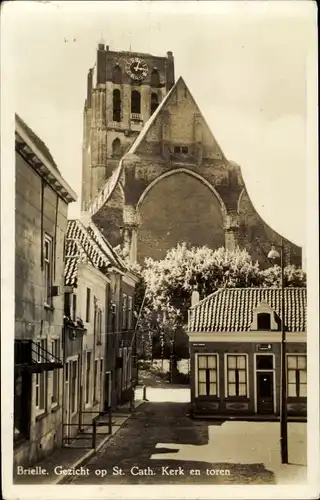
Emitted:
<point x="160" y="444"/>
<point x="75" y="455"/>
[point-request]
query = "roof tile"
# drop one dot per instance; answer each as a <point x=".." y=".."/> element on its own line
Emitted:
<point x="231" y="309"/>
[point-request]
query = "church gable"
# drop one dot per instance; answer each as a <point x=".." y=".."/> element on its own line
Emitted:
<point x="178" y="129"/>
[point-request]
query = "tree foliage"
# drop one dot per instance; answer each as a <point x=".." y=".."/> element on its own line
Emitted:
<point x="165" y="286"/>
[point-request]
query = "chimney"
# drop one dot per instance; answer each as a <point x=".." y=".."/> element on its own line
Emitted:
<point x="169" y="71"/>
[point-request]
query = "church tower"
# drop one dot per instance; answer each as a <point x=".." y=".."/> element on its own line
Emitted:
<point x="123" y="91"/>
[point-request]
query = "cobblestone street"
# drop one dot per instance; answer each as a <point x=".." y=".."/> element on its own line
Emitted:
<point x="160" y="438"/>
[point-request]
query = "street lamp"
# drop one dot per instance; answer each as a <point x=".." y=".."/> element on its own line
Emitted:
<point x="274" y="254"/>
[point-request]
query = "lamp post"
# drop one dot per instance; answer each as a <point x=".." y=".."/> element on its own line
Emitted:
<point x="274" y="254"/>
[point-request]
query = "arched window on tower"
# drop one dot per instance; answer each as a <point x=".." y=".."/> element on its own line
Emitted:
<point x="116" y="105"/>
<point x="154" y="102"/>
<point x="116" y="147"/>
<point x="116" y="75"/>
<point x="135" y="102"/>
<point x="155" y="79"/>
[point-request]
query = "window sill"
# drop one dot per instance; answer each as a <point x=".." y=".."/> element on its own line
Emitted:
<point x="208" y="398"/>
<point x="55" y="408"/>
<point x="41" y="416"/>
<point x="48" y="307"/>
<point x="236" y="398"/>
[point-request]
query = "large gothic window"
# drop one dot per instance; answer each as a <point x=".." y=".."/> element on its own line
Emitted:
<point x="116" y="147"/>
<point x="154" y="102"/>
<point x="116" y="75"/>
<point x="116" y="105"/>
<point x="155" y="79"/>
<point x="135" y="102"/>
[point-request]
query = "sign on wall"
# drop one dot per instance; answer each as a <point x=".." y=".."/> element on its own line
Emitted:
<point x="264" y="347"/>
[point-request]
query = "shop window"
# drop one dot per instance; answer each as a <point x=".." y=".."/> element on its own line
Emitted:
<point x="207" y="375"/>
<point x="237" y="375"/>
<point x="297" y="375"/>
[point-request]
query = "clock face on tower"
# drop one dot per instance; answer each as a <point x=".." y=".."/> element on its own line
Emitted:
<point x="136" y="68"/>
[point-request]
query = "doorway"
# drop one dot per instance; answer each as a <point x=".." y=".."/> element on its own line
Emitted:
<point x="265" y="384"/>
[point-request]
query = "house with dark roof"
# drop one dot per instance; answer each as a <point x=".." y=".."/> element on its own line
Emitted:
<point x="99" y="322"/>
<point x="41" y="205"/>
<point x="235" y="363"/>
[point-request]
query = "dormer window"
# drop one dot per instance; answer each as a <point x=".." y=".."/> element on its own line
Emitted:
<point x="264" y="321"/>
<point x="264" y="318"/>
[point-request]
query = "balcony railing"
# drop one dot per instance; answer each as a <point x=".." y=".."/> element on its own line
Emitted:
<point x="31" y="357"/>
<point x="135" y="116"/>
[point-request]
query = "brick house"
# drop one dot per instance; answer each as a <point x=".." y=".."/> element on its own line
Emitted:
<point x="98" y="322"/>
<point x="41" y="204"/>
<point x="235" y="339"/>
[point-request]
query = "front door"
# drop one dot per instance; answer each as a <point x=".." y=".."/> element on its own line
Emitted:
<point x="265" y="392"/>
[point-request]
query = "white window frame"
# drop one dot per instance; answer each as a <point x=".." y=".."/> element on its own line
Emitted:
<point x="226" y="374"/>
<point x="48" y="269"/>
<point x="296" y="354"/>
<point x="197" y="374"/>
<point x="55" y="345"/>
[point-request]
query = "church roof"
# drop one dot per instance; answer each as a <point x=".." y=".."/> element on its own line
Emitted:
<point x="145" y="129"/>
<point x="231" y="309"/>
<point x="147" y="126"/>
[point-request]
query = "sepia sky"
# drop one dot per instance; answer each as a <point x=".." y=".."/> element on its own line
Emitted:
<point x="244" y="62"/>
